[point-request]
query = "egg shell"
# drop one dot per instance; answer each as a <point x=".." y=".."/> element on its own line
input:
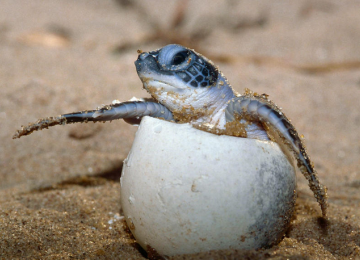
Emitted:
<point x="184" y="190"/>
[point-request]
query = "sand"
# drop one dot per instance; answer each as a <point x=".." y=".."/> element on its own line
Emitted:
<point x="60" y="190"/>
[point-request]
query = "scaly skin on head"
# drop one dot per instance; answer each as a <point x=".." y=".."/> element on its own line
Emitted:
<point x="187" y="87"/>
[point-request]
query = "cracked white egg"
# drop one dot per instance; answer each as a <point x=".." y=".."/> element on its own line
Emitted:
<point x="185" y="191"/>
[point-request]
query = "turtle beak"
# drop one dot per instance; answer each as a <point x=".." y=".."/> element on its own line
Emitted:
<point x="146" y="63"/>
<point x="139" y="60"/>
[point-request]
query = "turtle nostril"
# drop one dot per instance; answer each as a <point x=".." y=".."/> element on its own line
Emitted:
<point x="143" y="56"/>
<point x="147" y="63"/>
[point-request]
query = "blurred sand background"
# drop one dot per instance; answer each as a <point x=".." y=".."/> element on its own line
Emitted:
<point x="59" y="188"/>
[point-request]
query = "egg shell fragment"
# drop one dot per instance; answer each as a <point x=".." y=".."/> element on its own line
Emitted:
<point x="184" y="190"/>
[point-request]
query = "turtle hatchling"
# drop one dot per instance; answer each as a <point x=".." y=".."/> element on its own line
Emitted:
<point x="186" y="87"/>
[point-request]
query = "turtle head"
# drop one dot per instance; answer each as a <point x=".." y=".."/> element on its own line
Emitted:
<point x="181" y="79"/>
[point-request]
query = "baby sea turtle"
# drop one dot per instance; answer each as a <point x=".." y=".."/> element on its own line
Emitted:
<point x="186" y="87"/>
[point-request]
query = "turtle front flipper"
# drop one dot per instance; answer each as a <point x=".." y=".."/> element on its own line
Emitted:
<point x="254" y="107"/>
<point x="131" y="111"/>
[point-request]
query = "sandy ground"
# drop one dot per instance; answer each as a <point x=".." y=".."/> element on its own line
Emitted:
<point x="59" y="189"/>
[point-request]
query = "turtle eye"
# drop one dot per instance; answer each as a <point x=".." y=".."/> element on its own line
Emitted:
<point x="174" y="57"/>
<point x="180" y="57"/>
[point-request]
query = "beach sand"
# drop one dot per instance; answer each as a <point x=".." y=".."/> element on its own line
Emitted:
<point x="59" y="188"/>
